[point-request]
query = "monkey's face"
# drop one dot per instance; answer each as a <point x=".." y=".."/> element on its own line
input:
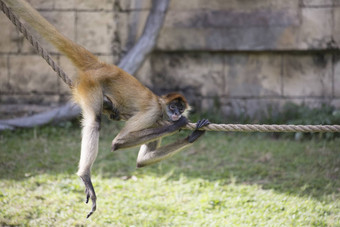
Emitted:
<point x="175" y="110"/>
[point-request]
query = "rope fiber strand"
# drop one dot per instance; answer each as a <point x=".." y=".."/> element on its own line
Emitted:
<point x="191" y="126"/>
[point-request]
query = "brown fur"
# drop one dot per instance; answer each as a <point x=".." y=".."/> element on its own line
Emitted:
<point x="174" y="96"/>
<point x="128" y="96"/>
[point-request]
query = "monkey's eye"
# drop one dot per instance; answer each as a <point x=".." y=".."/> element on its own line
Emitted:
<point x="172" y="106"/>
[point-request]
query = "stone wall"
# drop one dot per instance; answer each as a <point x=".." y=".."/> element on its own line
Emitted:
<point x="241" y="56"/>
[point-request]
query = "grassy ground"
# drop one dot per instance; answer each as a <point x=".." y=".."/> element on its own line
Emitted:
<point x="224" y="180"/>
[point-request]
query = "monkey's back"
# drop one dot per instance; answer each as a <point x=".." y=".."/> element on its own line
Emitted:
<point x="126" y="93"/>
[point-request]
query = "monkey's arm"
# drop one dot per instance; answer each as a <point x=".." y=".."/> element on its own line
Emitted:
<point x="150" y="153"/>
<point x="132" y="139"/>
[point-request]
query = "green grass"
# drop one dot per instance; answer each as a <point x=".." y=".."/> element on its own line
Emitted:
<point x="223" y="180"/>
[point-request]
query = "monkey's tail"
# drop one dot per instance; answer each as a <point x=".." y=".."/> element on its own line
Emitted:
<point x="80" y="57"/>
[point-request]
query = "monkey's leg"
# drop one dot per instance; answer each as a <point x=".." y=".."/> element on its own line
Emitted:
<point x="149" y="154"/>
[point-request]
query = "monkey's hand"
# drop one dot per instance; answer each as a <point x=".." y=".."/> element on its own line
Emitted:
<point x="177" y="125"/>
<point x="90" y="193"/>
<point x="110" y="109"/>
<point x="198" y="133"/>
<point x="114" y="115"/>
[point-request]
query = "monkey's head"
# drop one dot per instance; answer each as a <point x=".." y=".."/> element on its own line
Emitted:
<point x="176" y="106"/>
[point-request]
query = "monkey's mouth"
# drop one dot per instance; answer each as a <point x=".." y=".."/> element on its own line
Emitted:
<point x="175" y="117"/>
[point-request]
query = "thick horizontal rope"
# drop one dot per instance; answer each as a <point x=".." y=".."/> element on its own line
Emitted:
<point x="266" y="128"/>
<point x="36" y="45"/>
<point x="260" y="128"/>
<point x="190" y="126"/>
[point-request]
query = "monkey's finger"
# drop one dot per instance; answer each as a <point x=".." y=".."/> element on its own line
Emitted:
<point x="89" y="214"/>
<point x="206" y="122"/>
<point x="87" y="197"/>
<point x="202" y="123"/>
<point x="198" y="124"/>
<point x="94" y="207"/>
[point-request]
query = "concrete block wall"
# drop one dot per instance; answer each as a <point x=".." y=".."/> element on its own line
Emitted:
<point x="246" y="55"/>
<point x="26" y="79"/>
<point x="250" y="83"/>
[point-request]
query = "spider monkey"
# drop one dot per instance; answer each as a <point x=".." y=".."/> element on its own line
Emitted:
<point x="104" y="88"/>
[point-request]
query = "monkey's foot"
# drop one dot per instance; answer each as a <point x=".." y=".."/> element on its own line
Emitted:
<point x="198" y="133"/>
<point x="90" y="193"/>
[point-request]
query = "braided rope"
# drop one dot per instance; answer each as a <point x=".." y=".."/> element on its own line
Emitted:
<point x="266" y="128"/>
<point x="190" y="126"/>
<point x="260" y="128"/>
<point x="14" y="19"/>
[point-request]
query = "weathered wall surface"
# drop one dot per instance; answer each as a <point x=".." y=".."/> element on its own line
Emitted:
<point x="240" y="55"/>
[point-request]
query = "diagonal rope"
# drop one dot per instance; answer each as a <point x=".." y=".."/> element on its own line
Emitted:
<point x="191" y="126"/>
<point x="37" y="46"/>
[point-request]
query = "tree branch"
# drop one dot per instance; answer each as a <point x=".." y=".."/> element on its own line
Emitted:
<point x="131" y="62"/>
<point x="65" y="112"/>
<point x="136" y="56"/>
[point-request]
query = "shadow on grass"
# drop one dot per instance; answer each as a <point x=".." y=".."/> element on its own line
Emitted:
<point x="307" y="168"/>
